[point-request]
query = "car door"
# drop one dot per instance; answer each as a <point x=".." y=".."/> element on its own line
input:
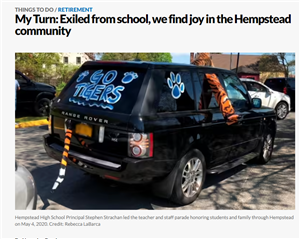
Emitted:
<point x="212" y="130"/>
<point x="257" y="90"/>
<point x="246" y="132"/>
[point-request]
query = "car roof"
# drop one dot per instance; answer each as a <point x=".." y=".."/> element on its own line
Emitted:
<point x="280" y="78"/>
<point x="250" y="80"/>
<point x="147" y="64"/>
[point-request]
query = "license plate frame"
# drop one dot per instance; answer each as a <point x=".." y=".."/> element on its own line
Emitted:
<point x="84" y="129"/>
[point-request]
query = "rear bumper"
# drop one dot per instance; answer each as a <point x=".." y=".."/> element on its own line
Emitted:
<point x="131" y="171"/>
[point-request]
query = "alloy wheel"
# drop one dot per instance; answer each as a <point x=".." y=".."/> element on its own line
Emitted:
<point x="192" y="177"/>
<point x="281" y="111"/>
<point x="268" y="146"/>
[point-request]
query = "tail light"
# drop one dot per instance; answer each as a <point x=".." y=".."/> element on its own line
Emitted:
<point x="140" y="145"/>
<point x="285" y="90"/>
<point x="50" y="124"/>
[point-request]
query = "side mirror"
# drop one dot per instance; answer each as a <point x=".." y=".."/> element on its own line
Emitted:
<point x="256" y="103"/>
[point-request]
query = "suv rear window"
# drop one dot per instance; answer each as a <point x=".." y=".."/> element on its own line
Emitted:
<point x="107" y="88"/>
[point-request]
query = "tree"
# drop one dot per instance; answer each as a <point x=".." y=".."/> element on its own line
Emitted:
<point x="36" y="65"/>
<point x="277" y="62"/>
<point x="159" y="57"/>
<point x="287" y="64"/>
<point x="45" y="67"/>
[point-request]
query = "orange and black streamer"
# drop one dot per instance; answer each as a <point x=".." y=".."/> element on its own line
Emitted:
<point x="222" y="99"/>
<point x="63" y="163"/>
<point x="65" y="155"/>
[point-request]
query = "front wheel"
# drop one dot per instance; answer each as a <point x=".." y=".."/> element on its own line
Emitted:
<point x="190" y="178"/>
<point x="281" y="110"/>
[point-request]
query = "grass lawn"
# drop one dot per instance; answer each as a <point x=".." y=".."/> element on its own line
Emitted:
<point x="29" y="118"/>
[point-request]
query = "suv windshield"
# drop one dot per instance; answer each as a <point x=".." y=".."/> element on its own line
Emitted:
<point x="107" y="88"/>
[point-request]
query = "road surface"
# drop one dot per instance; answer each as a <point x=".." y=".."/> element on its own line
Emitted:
<point x="257" y="187"/>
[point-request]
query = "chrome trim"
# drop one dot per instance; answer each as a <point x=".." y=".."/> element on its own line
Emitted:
<point x="84" y="158"/>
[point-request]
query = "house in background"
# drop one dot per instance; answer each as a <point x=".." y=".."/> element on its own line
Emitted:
<point x="248" y="66"/>
<point x="75" y="58"/>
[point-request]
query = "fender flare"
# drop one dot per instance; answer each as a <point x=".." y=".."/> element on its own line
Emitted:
<point x="47" y="95"/>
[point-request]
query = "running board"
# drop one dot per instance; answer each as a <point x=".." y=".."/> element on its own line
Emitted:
<point x="231" y="164"/>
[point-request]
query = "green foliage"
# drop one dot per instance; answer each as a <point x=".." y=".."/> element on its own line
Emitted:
<point x="156" y="57"/>
<point x="45" y="67"/>
<point x="65" y="72"/>
<point x="36" y="65"/>
<point x="61" y="86"/>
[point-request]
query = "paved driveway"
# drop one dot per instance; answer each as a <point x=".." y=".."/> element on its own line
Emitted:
<point x="271" y="186"/>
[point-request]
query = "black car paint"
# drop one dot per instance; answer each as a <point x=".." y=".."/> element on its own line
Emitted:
<point x="278" y="86"/>
<point x="174" y="133"/>
<point x="32" y="91"/>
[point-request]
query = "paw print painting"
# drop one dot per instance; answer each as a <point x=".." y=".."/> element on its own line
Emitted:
<point x="82" y="75"/>
<point x="129" y="76"/>
<point x="174" y="82"/>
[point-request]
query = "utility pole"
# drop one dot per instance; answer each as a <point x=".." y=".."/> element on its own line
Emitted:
<point x="237" y="62"/>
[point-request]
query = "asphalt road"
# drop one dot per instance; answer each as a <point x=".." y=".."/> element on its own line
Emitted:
<point x="250" y="186"/>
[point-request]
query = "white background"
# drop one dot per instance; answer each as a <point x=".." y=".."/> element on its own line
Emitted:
<point x="144" y="38"/>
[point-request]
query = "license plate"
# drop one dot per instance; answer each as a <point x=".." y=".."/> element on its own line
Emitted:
<point x="84" y="130"/>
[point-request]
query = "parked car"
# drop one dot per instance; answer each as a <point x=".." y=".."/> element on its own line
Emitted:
<point x="270" y="98"/>
<point x="284" y="85"/>
<point x="34" y="95"/>
<point x="25" y="189"/>
<point x="157" y="123"/>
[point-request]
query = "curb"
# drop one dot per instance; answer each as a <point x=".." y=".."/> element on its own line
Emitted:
<point x="31" y="123"/>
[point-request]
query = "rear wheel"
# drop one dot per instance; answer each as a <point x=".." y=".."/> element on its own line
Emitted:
<point x="281" y="110"/>
<point x="42" y="107"/>
<point x="267" y="147"/>
<point x="190" y="178"/>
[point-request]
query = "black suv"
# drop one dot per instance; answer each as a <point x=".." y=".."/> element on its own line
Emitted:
<point x="285" y="85"/>
<point x="142" y="122"/>
<point x="34" y="95"/>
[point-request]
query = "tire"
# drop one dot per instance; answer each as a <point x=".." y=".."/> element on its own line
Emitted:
<point x="189" y="179"/>
<point x="266" y="147"/>
<point x="281" y="110"/>
<point x="41" y="107"/>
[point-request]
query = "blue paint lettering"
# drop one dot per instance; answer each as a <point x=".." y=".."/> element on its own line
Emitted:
<point x="88" y="91"/>
<point x="112" y="74"/>
<point x="105" y="93"/>
<point x="96" y="91"/>
<point x="96" y="77"/>
<point x="117" y="94"/>
<point x="79" y="87"/>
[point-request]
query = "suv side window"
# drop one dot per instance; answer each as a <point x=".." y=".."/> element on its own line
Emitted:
<point x="177" y="93"/>
<point x="236" y="92"/>
<point x="20" y="79"/>
<point x="207" y="100"/>
<point x="275" y="84"/>
<point x="252" y="86"/>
